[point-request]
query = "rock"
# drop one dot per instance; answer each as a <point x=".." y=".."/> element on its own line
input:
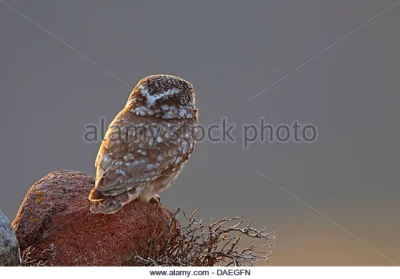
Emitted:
<point x="55" y="224"/>
<point x="9" y="250"/>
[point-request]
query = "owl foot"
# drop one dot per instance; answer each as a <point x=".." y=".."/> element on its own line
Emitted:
<point x="157" y="200"/>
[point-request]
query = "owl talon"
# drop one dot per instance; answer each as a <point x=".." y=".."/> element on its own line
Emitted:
<point x="156" y="199"/>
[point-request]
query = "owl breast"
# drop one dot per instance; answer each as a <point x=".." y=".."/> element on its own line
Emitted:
<point x="173" y="146"/>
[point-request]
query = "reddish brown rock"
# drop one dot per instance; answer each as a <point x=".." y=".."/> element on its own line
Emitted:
<point x="55" y="217"/>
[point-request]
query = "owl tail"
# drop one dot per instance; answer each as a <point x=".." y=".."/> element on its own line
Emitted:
<point x="105" y="206"/>
<point x="110" y="203"/>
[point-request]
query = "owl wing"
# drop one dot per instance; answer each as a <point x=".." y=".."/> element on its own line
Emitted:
<point x="126" y="163"/>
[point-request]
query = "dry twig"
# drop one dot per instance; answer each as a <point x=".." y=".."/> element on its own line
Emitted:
<point x="28" y="260"/>
<point x="216" y="243"/>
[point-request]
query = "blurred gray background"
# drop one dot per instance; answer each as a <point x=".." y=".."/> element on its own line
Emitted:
<point x="230" y="51"/>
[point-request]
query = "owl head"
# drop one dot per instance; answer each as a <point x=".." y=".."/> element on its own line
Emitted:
<point x="163" y="96"/>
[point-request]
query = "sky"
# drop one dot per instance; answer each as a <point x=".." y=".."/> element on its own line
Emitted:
<point x="330" y="64"/>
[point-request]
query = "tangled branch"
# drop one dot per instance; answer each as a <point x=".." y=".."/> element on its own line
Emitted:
<point x="216" y="243"/>
<point x="28" y="260"/>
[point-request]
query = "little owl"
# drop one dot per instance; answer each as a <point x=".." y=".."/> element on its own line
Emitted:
<point x="146" y="145"/>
